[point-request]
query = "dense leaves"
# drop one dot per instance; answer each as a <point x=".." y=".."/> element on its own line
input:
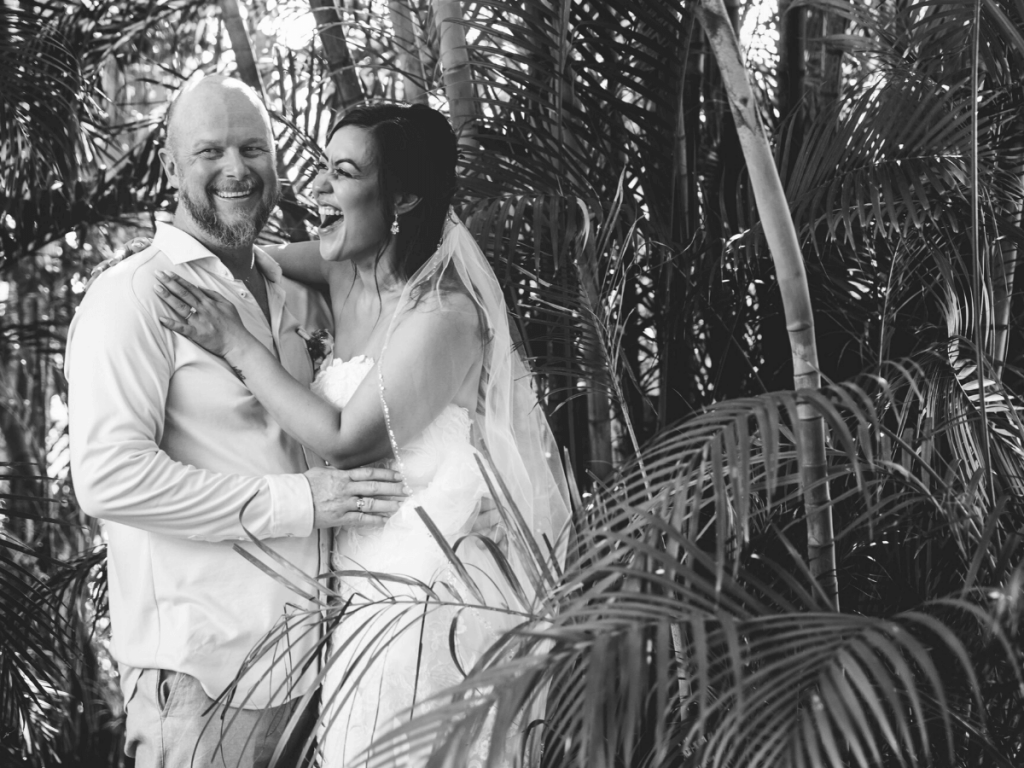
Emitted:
<point x="603" y="175"/>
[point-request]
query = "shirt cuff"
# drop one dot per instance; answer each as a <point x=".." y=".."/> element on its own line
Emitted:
<point x="291" y="506"/>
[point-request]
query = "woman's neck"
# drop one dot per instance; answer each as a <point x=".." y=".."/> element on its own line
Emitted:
<point x="377" y="275"/>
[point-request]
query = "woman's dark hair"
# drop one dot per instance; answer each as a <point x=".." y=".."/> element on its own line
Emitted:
<point x="416" y="152"/>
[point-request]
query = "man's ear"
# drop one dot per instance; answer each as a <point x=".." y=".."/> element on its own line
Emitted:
<point x="405" y="203"/>
<point x="170" y="166"/>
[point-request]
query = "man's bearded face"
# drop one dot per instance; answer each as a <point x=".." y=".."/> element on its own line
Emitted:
<point x="231" y="212"/>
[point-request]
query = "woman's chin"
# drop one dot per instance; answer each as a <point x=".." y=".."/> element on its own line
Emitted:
<point x="329" y="249"/>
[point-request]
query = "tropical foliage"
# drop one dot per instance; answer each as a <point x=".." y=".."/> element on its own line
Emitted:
<point x="605" y="175"/>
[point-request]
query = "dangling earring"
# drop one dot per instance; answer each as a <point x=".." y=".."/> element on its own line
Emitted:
<point x="394" y="225"/>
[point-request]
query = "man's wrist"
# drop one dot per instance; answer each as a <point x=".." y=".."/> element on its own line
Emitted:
<point x="291" y="505"/>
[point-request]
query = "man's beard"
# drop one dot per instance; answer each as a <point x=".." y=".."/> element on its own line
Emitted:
<point x="240" y="234"/>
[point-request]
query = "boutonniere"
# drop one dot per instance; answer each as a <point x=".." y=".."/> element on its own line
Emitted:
<point x="319" y="344"/>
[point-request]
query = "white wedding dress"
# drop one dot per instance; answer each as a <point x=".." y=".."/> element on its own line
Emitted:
<point x="387" y="655"/>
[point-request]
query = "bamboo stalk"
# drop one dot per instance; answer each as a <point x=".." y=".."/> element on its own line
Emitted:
<point x="408" y="56"/>
<point x="832" y="76"/>
<point x="458" y="75"/>
<point x="339" y="59"/>
<point x="796" y="298"/>
<point x="599" y="408"/>
<point x="792" y="49"/>
<point x="1002" y="283"/>
<point x="245" y="61"/>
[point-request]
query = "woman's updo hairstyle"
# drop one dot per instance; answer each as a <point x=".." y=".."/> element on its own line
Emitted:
<point x="416" y="153"/>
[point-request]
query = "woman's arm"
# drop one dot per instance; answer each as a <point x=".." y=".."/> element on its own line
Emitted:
<point x="300" y="261"/>
<point x="427" y="361"/>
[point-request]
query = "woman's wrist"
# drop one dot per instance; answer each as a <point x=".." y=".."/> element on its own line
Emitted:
<point x="240" y="350"/>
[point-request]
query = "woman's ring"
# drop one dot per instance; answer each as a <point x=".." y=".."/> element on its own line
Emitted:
<point x="360" y="502"/>
<point x="191" y="311"/>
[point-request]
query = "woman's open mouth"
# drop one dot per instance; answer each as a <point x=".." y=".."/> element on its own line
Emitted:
<point x="329" y="216"/>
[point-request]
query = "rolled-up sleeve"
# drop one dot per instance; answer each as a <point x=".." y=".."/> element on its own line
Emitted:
<point x="119" y="366"/>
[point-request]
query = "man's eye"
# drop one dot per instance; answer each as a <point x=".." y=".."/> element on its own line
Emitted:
<point x="209" y="152"/>
<point x="253" y="150"/>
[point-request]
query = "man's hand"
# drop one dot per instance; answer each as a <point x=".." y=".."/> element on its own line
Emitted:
<point x="491" y="524"/>
<point x="356" y="498"/>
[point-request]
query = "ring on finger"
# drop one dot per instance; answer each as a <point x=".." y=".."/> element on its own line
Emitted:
<point x="360" y="502"/>
<point x="191" y="311"/>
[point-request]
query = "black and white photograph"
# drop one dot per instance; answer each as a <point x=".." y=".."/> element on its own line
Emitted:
<point x="511" y="384"/>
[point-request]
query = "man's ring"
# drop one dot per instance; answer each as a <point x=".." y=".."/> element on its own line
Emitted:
<point x="191" y="311"/>
<point x="360" y="502"/>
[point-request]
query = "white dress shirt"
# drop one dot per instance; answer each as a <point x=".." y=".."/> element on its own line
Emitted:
<point x="167" y="447"/>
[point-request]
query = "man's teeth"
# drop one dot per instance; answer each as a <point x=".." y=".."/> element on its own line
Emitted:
<point x="233" y="195"/>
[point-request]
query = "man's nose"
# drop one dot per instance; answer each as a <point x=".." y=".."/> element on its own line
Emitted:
<point x="233" y="164"/>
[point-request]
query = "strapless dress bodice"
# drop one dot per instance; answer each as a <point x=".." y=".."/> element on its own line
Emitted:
<point x="438" y="465"/>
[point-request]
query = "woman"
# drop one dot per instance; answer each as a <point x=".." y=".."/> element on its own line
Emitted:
<point x="423" y="377"/>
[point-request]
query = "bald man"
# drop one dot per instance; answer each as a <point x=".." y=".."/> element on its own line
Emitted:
<point x="182" y="464"/>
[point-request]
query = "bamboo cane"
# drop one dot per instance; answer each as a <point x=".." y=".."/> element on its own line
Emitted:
<point x="408" y="57"/>
<point x="458" y="75"/>
<point x="796" y="299"/>
<point x="343" y="71"/>
<point x="248" y="73"/>
<point x="241" y="46"/>
<point x="1003" y="268"/>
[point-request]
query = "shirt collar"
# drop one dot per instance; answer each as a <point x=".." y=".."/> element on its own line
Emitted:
<point x="181" y="248"/>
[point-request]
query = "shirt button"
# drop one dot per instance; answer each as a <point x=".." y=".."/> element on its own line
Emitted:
<point x="244" y="295"/>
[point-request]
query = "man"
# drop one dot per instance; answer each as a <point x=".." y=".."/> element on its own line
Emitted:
<point x="182" y="464"/>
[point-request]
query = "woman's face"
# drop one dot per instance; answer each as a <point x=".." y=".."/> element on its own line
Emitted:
<point x="347" y="191"/>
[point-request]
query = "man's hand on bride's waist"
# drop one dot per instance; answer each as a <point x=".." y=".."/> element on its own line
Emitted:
<point x="355" y="498"/>
<point x="490" y="523"/>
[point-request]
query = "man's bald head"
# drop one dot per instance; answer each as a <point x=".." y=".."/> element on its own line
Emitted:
<point x="199" y="94"/>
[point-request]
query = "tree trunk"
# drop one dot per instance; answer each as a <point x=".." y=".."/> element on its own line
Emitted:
<point x="343" y="71"/>
<point x="789" y="266"/>
<point x="676" y="368"/>
<point x="292" y="212"/>
<point x="1002" y="283"/>
<point x="814" y="58"/>
<point x="832" y="71"/>
<point x="823" y="78"/>
<point x="599" y="407"/>
<point x="404" y="24"/>
<point x="792" y="66"/>
<point x="793" y="75"/>
<point x="245" y="61"/>
<point x="458" y="75"/>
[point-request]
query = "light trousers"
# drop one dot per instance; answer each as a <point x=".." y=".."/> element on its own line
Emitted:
<point x="170" y="724"/>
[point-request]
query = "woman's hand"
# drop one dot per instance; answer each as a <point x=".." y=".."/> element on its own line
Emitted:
<point x="201" y="315"/>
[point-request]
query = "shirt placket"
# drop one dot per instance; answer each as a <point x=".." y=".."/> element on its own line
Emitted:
<point x="269" y="335"/>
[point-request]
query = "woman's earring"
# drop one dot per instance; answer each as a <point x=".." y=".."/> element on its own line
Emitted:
<point x="394" y="225"/>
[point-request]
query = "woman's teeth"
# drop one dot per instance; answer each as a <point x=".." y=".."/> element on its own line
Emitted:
<point x="328" y="216"/>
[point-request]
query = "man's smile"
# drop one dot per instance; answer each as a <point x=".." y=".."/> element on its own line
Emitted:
<point x="235" y="194"/>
